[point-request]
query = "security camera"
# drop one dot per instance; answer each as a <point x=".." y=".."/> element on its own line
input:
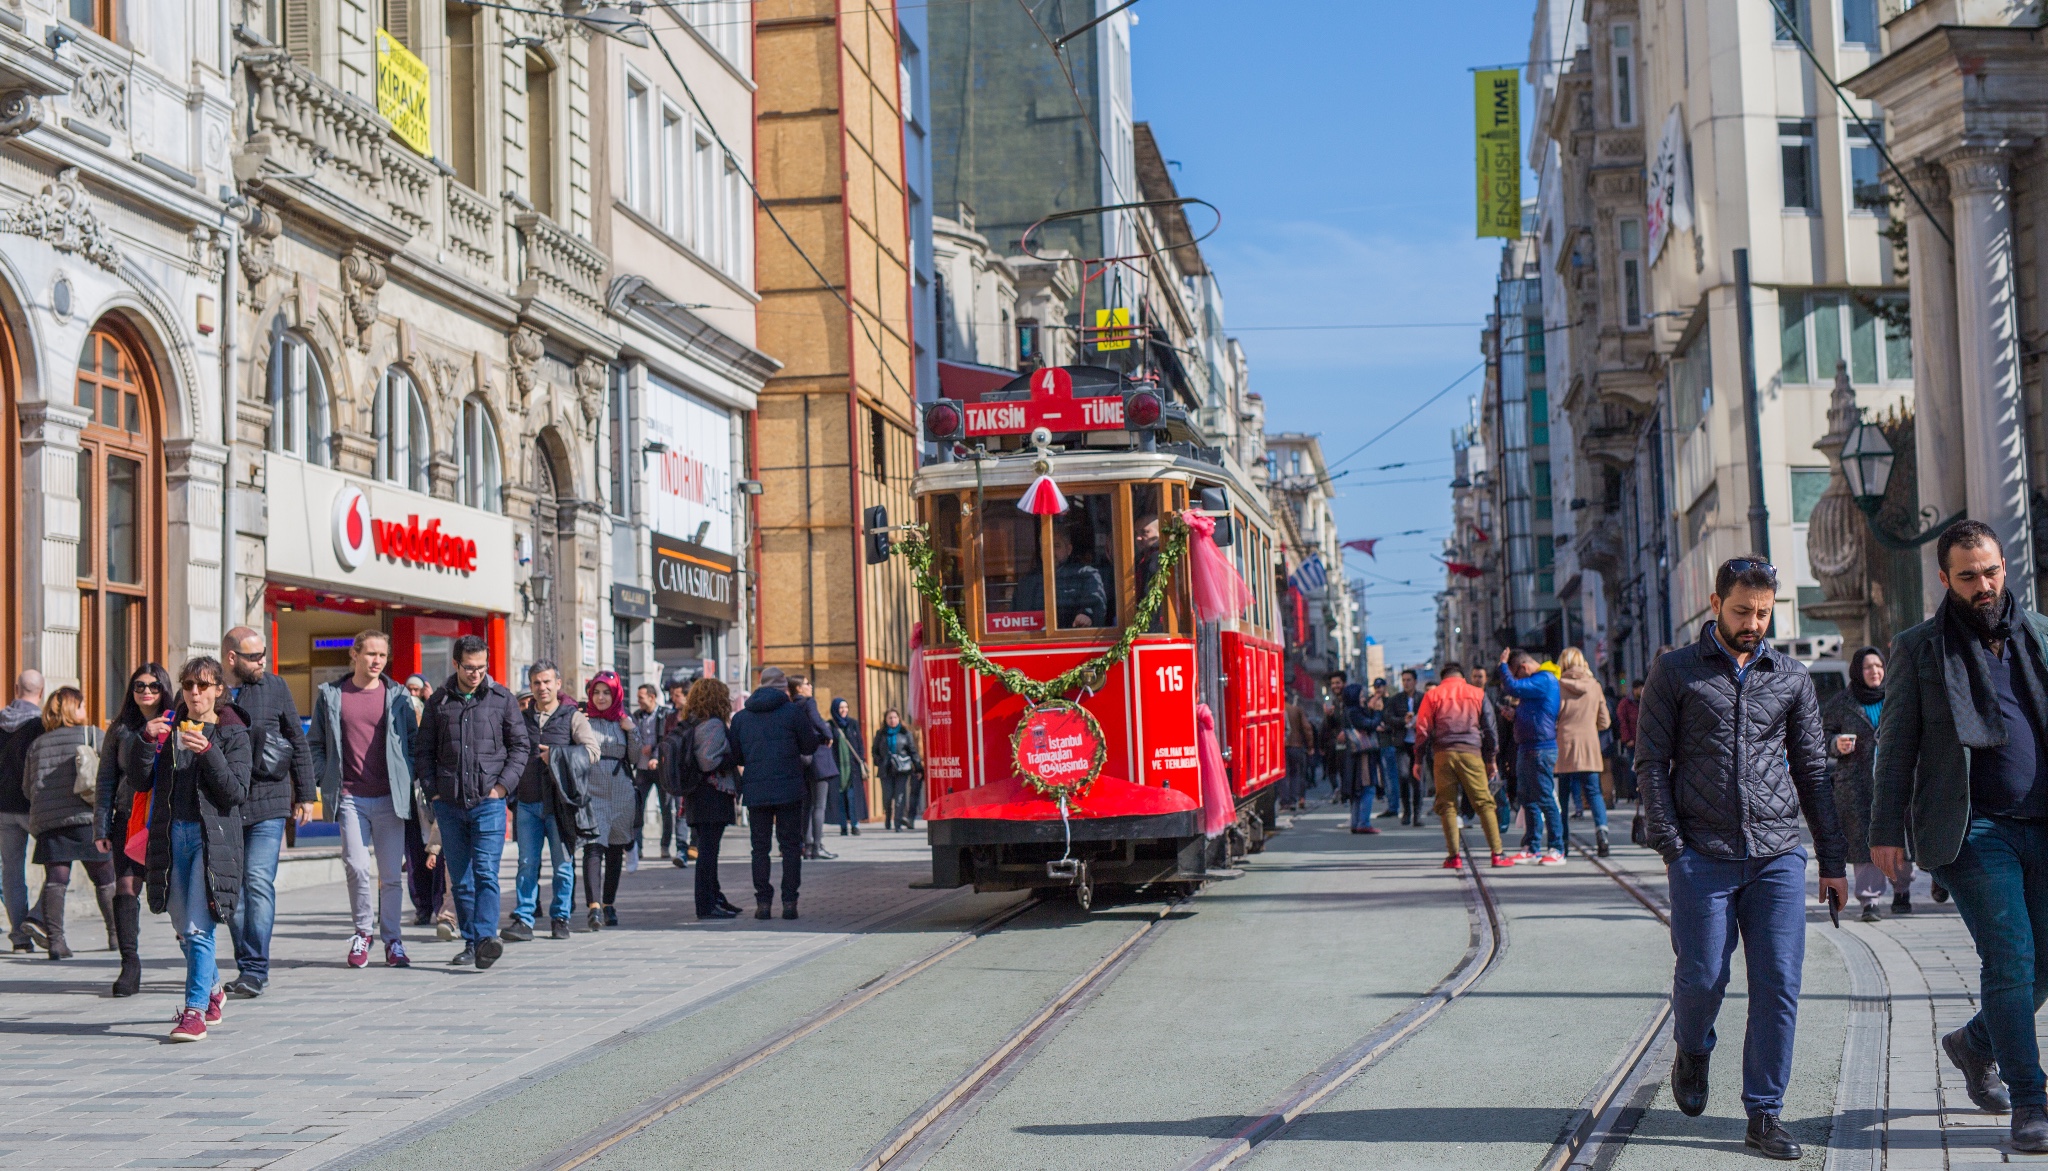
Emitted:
<point x="1041" y="437"/>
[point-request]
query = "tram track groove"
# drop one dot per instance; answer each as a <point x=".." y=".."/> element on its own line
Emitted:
<point x="595" y="1142"/>
<point x="942" y="1116"/>
<point x="1489" y="944"/>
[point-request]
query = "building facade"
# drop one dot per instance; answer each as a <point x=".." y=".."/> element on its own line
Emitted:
<point x="1318" y="614"/>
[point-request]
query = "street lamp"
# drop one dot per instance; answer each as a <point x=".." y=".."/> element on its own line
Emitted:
<point x="1867" y="459"/>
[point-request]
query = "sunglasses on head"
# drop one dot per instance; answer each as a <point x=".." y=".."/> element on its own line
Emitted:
<point x="1745" y="565"/>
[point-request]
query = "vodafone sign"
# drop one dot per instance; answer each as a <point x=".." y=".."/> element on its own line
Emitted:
<point x="376" y="539"/>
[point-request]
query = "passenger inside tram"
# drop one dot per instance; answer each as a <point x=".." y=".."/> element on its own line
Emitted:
<point x="1080" y="583"/>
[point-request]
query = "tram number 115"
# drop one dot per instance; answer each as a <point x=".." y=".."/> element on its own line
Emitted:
<point x="1170" y="679"/>
<point x="940" y="688"/>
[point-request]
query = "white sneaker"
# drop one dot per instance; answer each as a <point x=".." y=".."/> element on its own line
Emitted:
<point x="1550" y="858"/>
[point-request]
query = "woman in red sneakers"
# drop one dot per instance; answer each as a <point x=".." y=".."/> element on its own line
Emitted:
<point x="193" y="762"/>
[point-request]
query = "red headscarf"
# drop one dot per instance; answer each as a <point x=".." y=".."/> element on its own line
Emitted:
<point x="617" y="711"/>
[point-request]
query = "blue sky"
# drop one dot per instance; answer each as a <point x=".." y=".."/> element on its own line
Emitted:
<point x="1336" y="137"/>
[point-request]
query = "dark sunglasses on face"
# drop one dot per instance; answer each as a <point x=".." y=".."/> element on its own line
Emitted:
<point x="144" y="686"/>
<point x="254" y="656"/>
<point x="198" y="684"/>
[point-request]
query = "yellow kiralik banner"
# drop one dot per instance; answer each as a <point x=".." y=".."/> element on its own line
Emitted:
<point x="1497" y="110"/>
<point x="403" y="93"/>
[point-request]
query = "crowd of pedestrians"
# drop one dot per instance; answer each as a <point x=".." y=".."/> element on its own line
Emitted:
<point x="185" y="798"/>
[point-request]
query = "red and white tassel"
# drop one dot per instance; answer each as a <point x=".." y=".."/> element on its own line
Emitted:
<point x="1043" y="498"/>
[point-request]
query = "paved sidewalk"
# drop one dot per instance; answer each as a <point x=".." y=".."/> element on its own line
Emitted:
<point x="332" y="1060"/>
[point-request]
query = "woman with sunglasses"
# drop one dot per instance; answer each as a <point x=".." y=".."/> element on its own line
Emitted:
<point x="193" y="761"/>
<point x="115" y="823"/>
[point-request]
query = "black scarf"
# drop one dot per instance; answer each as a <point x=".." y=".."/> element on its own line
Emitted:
<point x="1966" y="660"/>
<point x="1863" y="692"/>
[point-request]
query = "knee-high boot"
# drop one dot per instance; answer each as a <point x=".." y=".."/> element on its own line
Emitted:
<point x="53" y="921"/>
<point x="105" y="895"/>
<point x="128" y="931"/>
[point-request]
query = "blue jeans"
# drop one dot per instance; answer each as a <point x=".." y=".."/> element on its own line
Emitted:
<point x="530" y="823"/>
<point x="192" y="911"/>
<point x="1761" y="902"/>
<point x="2000" y="883"/>
<point x="1372" y="767"/>
<point x="1390" y="776"/>
<point x="1534" y="776"/>
<point x="472" y="846"/>
<point x="1361" y="808"/>
<point x="1584" y="789"/>
<point x="257" y="911"/>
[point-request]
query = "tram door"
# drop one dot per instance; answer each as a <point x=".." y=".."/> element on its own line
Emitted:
<point x="1209" y="668"/>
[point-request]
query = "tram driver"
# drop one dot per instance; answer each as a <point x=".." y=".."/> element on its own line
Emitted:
<point x="1081" y="596"/>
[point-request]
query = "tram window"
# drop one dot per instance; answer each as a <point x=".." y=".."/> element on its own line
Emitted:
<point x="1013" y="577"/>
<point x="1145" y="543"/>
<point x="946" y="542"/>
<point x="1083" y="563"/>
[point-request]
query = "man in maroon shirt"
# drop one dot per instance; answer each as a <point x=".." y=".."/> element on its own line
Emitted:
<point x="362" y="753"/>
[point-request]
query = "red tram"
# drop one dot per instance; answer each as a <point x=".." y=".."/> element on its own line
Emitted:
<point x="1045" y="593"/>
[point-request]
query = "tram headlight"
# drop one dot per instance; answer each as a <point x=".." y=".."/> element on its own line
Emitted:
<point x="1142" y="410"/>
<point x="942" y="421"/>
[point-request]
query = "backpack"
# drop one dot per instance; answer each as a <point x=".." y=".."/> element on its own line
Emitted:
<point x="680" y="775"/>
<point x="86" y="760"/>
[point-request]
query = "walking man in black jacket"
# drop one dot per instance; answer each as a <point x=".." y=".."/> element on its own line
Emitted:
<point x="771" y="736"/>
<point x="1729" y="753"/>
<point x="469" y="754"/>
<point x="1962" y="769"/>
<point x="281" y="785"/>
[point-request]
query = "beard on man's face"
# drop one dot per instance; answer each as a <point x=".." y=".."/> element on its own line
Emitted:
<point x="1745" y="640"/>
<point x="1984" y="599"/>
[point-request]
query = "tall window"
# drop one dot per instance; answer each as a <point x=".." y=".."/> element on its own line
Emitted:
<point x="727" y="24"/>
<point x="732" y="206"/>
<point x="120" y="517"/>
<point x="298" y="401"/>
<point x="1539" y="419"/>
<point x="396" y="16"/>
<point x="1859" y="23"/>
<point x="704" y="196"/>
<point x="403" y="441"/>
<point x="97" y="15"/>
<point x="618" y="427"/>
<point x="1796" y="155"/>
<point x="463" y="139"/>
<point x="639" y="175"/>
<point x="1793" y="20"/>
<point x="1866" y="166"/>
<point x="1820" y="330"/>
<point x="675" y="171"/>
<point x="482" y="470"/>
<point x="540" y="133"/>
<point x="1624" y="38"/>
<point x="1629" y="235"/>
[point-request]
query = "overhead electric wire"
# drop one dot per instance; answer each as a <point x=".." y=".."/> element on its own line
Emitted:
<point x="1476" y="367"/>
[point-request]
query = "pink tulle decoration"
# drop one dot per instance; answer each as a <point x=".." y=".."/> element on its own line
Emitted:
<point x="1218" y="810"/>
<point x="1043" y="498"/>
<point x="917" y="679"/>
<point x="1219" y="592"/>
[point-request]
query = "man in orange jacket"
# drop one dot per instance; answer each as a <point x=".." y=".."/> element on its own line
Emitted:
<point x="1453" y="726"/>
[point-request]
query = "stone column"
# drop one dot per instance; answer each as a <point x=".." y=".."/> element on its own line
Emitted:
<point x="1937" y="381"/>
<point x="195" y="557"/>
<point x="50" y="617"/>
<point x="1987" y="326"/>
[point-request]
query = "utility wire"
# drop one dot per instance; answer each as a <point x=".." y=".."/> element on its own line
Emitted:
<point x="1476" y="367"/>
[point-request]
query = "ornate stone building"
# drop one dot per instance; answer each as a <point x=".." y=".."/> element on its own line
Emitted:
<point x="114" y="147"/>
<point x="425" y="339"/>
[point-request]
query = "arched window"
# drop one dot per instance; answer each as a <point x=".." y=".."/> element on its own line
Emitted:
<point x="121" y="515"/>
<point x="482" y="470"/>
<point x="298" y="401"/>
<point x="403" y="442"/>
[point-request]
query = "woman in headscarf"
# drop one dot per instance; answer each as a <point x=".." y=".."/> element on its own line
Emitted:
<point x="896" y="763"/>
<point x="612" y="806"/>
<point x="847" y="802"/>
<point x="1849" y="720"/>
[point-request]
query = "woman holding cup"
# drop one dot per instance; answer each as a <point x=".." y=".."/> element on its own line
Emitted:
<point x="1849" y="721"/>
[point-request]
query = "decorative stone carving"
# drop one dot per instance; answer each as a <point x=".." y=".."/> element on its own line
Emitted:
<point x="63" y="218"/>
<point x="1836" y="544"/>
<point x="20" y="112"/>
<point x="526" y="350"/>
<point x="590" y="375"/>
<point x="102" y="95"/>
<point x="1979" y="172"/>
<point x="206" y="251"/>
<point x="258" y="237"/>
<point x="362" y="275"/>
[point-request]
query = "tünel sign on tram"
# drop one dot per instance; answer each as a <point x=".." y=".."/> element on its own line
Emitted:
<point x="1052" y="405"/>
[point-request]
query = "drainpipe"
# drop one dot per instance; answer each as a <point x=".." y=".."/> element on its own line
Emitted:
<point x="229" y="524"/>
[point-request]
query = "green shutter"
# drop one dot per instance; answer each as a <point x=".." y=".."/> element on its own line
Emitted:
<point x="1792" y="340"/>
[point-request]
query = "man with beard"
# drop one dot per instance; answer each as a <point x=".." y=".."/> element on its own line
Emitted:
<point x="1728" y="754"/>
<point x="281" y="786"/>
<point x="1962" y="773"/>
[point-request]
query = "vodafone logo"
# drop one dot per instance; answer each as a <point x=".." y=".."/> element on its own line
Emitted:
<point x="351" y="527"/>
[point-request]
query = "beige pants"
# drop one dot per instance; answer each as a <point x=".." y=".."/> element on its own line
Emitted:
<point x="1455" y="769"/>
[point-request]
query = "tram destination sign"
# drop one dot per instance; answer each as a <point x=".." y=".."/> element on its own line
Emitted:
<point x="1052" y="405"/>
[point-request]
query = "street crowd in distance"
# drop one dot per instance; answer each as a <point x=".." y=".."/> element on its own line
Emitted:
<point x="183" y="801"/>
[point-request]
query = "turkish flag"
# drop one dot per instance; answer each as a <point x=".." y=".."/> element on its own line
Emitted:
<point x="1464" y="570"/>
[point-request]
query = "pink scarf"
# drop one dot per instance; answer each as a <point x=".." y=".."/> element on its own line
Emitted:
<point x="616" y="713"/>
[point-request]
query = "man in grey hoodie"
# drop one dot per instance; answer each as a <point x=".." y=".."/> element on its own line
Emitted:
<point x="20" y="723"/>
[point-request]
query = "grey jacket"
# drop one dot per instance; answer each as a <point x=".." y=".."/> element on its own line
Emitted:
<point x="1920" y="794"/>
<point x="52" y="775"/>
<point x="610" y="780"/>
<point x="325" y="741"/>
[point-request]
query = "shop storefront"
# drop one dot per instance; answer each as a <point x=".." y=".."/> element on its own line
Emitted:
<point x="346" y="554"/>
<point x="690" y="491"/>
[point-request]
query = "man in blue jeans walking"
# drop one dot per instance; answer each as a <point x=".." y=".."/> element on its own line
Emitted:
<point x="1536" y="702"/>
<point x="1728" y="756"/>
<point x="469" y="753"/>
<point x="281" y="785"/>
<point x="1962" y="772"/>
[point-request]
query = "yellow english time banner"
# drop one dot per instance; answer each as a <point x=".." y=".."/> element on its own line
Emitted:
<point x="1497" y="112"/>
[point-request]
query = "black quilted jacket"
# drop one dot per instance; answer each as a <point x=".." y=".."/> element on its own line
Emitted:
<point x="1726" y="769"/>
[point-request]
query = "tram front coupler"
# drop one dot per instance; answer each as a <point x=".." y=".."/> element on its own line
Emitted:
<point x="1074" y="871"/>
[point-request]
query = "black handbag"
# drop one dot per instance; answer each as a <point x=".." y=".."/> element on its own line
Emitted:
<point x="272" y="755"/>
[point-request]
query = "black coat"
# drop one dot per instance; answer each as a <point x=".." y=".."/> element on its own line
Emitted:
<point x="770" y="737"/>
<point x="274" y="717"/>
<point x="878" y="752"/>
<point x="223" y="783"/>
<point x="1841" y="715"/>
<point x="467" y="745"/>
<point x="116" y="791"/>
<point x="710" y="802"/>
<point x="1727" y="770"/>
